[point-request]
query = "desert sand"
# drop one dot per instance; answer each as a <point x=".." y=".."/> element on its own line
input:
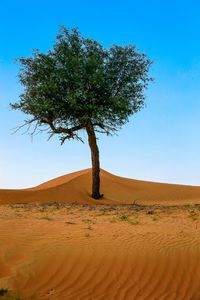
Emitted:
<point x="76" y="187"/>
<point x="142" y="241"/>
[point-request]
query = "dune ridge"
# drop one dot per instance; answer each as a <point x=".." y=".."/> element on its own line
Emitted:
<point x="76" y="187"/>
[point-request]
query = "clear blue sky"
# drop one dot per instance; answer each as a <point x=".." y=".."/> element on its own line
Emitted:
<point x="162" y="142"/>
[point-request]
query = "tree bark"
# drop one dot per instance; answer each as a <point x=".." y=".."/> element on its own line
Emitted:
<point x="95" y="161"/>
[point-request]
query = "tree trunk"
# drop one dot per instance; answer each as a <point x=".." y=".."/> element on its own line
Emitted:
<point x="95" y="161"/>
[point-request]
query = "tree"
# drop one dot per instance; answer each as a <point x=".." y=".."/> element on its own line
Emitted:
<point x="80" y="85"/>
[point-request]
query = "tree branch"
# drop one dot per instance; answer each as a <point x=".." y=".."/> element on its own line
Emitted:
<point x="60" y="129"/>
<point x="26" y="123"/>
<point x="66" y="133"/>
<point x="109" y="130"/>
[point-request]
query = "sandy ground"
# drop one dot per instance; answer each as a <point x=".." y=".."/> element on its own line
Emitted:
<point x="64" y="251"/>
<point x="142" y="241"/>
<point x="76" y="187"/>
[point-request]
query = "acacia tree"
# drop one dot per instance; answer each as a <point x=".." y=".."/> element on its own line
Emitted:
<point x="80" y="85"/>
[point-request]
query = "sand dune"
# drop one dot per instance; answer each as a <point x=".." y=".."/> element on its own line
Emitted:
<point x="65" y="251"/>
<point x="76" y="187"/>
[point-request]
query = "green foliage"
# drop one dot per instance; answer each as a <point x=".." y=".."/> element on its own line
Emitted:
<point x="133" y="220"/>
<point x="78" y="81"/>
<point x="193" y="214"/>
<point x="156" y="218"/>
<point x="124" y="217"/>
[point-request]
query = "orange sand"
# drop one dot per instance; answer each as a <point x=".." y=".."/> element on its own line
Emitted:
<point x="65" y="251"/>
<point x="76" y="187"/>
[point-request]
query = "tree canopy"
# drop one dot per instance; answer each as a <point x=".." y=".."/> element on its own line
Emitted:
<point x="79" y="80"/>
